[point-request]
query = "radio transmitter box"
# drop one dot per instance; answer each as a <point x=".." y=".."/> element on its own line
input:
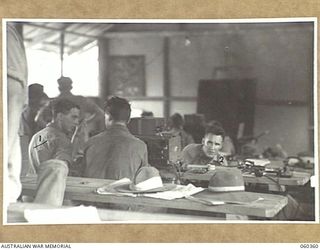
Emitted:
<point x="146" y="125"/>
<point x="162" y="149"/>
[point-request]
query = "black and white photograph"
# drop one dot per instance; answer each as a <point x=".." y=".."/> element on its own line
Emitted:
<point x="160" y="121"/>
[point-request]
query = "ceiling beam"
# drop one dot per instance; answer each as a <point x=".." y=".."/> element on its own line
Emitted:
<point x="42" y="37"/>
<point x="57" y="44"/>
<point x="69" y="31"/>
<point x="79" y="47"/>
<point x="186" y="31"/>
<point x="199" y="32"/>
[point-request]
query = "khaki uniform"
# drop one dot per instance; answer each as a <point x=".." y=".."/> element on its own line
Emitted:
<point x="114" y="154"/>
<point x="49" y="143"/>
<point x="193" y="154"/>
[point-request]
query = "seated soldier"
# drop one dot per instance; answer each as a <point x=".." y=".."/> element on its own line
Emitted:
<point x="91" y="115"/>
<point x="50" y="153"/>
<point x="227" y="146"/>
<point x="115" y="153"/>
<point x="208" y="152"/>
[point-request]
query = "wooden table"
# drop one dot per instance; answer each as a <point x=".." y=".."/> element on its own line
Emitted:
<point x="15" y="214"/>
<point x="274" y="183"/>
<point x="83" y="189"/>
<point x="304" y="170"/>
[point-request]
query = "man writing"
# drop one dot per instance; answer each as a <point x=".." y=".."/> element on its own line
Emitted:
<point x="115" y="153"/>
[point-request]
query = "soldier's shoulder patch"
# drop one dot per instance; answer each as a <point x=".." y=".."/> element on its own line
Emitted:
<point x="40" y="141"/>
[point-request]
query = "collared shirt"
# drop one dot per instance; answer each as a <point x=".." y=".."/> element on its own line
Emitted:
<point x="49" y="143"/>
<point x="114" y="154"/>
<point x="87" y="108"/>
<point x="193" y="154"/>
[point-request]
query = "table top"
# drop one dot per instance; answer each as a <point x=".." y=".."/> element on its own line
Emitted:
<point x="15" y="214"/>
<point x="297" y="178"/>
<point x="83" y="189"/>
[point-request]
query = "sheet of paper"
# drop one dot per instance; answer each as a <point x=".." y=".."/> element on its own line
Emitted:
<point x="72" y="215"/>
<point x="179" y="191"/>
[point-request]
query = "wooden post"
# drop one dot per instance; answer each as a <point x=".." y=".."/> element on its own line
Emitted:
<point x="103" y="45"/>
<point x="166" y="83"/>
<point x="61" y="52"/>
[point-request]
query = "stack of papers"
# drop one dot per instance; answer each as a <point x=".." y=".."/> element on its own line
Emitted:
<point x="179" y="191"/>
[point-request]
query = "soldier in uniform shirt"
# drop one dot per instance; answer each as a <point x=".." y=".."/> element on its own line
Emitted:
<point x="208" y="152"/>
<point x="115" y="153"/>
<point x="50" y="152"/>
